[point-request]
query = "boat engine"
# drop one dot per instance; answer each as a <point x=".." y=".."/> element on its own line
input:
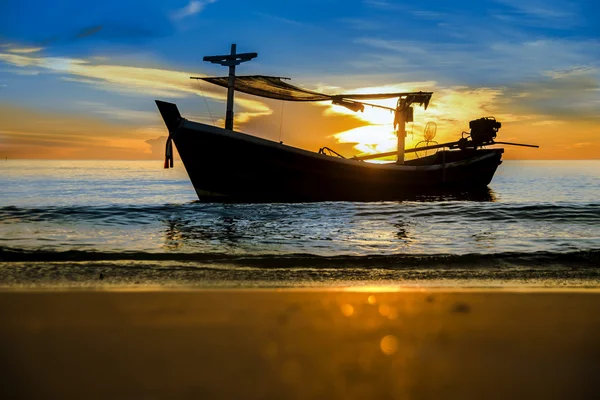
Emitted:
<point x="484" y="130"/>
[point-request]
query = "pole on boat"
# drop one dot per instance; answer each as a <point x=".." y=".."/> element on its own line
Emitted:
<point x="401" y="132"/>
<point x="230" y="60"/>
<point x="405" y="113"/>
<point x="402" y="116"/>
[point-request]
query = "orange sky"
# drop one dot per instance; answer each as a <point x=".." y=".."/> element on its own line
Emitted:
<point x="110" y="132"/>
<point x="79" y="80"/>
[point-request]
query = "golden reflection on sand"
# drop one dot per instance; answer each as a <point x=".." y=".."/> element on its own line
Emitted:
<point x="257" y="344"/>
<point x="347" y="310"/>
<point x="389" y="345"/>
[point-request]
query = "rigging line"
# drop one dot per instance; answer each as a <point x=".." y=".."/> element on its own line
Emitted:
<point x="206" y="102"/>
<point x="281" y="119"/>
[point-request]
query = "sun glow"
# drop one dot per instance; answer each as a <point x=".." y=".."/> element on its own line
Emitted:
<point x="451" y="109"/>
<point x="379" y="135"/>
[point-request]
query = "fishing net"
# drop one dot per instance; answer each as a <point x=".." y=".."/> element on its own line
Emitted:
<point x="273" y="87"/>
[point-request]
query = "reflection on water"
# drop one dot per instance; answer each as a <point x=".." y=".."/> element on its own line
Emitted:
<point x="180" y="232"/>
<point x="382" y="228"/>
<point x="139" y="207"/>
<point x="485" y="194"/>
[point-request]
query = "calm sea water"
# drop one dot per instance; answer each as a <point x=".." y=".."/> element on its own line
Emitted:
<point x="536" y="212"/>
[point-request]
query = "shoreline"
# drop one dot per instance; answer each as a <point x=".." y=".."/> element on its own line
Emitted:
<point x="172" y="274"/>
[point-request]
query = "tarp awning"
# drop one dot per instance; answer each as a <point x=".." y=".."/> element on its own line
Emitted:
<point x="273" y="87"/>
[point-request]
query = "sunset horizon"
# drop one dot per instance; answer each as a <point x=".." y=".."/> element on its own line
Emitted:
<point x="77" y="85"/>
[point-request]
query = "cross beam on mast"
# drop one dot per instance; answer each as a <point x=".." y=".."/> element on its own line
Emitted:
<point x="230" y="60"/>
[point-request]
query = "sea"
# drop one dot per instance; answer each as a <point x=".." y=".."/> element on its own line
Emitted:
<point x="136" y="224"/>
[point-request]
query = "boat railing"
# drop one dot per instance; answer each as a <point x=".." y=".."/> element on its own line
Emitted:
<point x="330" y="152"/>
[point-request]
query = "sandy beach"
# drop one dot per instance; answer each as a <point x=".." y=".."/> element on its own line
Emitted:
<point x="300" y="344"/>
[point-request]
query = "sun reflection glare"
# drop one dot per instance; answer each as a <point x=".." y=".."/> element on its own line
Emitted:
<point x="451" y="109"/>
<point x="347" y="310"/>
<point x="389" y="345"/>
<point x="379" y="135"/>
<point x="388" y="311"/>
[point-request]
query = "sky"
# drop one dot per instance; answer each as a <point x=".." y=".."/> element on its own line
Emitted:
<point x="78" y="80"/>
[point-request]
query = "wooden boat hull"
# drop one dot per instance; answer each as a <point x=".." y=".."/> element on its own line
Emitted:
<point x="234" y="166"/>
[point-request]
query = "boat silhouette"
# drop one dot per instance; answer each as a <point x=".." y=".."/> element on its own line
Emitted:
<point x="227" y="165"/>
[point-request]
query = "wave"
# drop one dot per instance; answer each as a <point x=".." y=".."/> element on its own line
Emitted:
<point x="587" y="213"/>
<point x="588" y="258"/>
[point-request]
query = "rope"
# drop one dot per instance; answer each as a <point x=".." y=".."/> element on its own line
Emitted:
<point x="206" y="102"/>
<point x="169" y="152"/>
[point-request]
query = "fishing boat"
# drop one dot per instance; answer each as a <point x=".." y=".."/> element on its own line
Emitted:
<point x="227" y="165"/>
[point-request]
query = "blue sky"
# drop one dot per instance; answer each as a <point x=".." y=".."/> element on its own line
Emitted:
<point x="533" y="58"/>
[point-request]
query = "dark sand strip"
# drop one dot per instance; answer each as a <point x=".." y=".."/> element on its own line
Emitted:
<point x="300" y="344"/>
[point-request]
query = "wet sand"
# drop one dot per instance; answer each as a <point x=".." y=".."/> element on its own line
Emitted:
<point x="300" y="344"/>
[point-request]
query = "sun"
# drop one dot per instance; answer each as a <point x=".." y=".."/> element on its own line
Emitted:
<point x="379" y="135"/>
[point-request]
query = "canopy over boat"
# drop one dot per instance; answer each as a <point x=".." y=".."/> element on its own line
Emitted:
<point x="273" y="87"/>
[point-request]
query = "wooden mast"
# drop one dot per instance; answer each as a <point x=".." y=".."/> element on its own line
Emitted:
<point x="401" y="133"/>
<point x="403" y="114"/>
<point x="230" y="60"/>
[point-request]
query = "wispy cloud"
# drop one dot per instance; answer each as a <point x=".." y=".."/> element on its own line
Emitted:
<point x="88" y="31"/>
<point x="501" y="61"/>
<point x="194" y="7"/>
<point x="279" y="19"/>
<point x="380" y="4"/>
<point x="120" y="114"/>
<point x="134" y="81"/>
<point x="555" y="14"/>
<point x="363" y="24"/>
<point x="24" y="50"/>
<point x="570" y="95"/>
<point x="29" y="133"/>
<point x="430" y="15"/>
<point x="542" y="8"/>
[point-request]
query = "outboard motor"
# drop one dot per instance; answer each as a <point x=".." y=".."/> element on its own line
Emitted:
<point x="484" y="130"/>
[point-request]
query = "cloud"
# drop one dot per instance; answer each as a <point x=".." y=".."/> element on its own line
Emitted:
<point x="473" y="63"/>
<point x="382" y="4"/>
<point x="565" y="94"/>
<point x="136" y="81"/>
<point x="88" y="31"/>
<point x="279" y="19"/>
<point x="157" y="146"/>
<point x="194" y="7"/>
<point x="555" y="14"/>
<point x="120" y="114"/>
<point x="24" y="50"/>
<point x="64" y="23"/>
<point x="428" y="15"/>
<point x="128" y="79"/>
<point x="361" y="24"/>
<point x="27" y="133"/>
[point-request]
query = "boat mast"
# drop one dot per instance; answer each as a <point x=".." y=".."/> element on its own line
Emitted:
<point x="403" y="114"/>
<point x="230" y="60"/>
